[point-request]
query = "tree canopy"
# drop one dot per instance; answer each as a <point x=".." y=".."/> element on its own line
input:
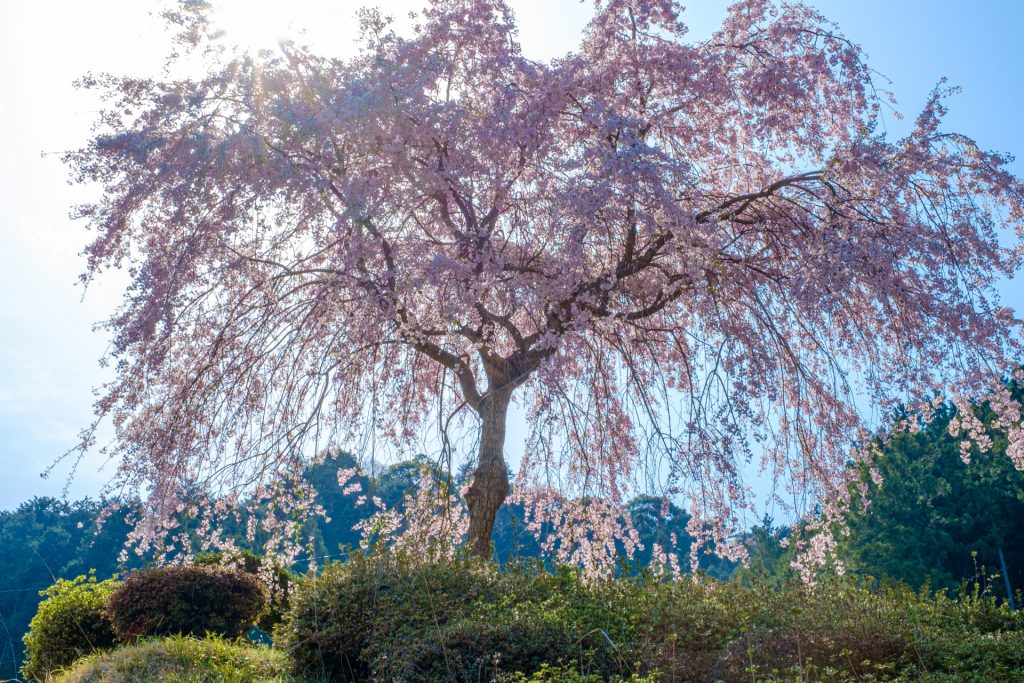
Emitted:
<point x="679" y="257"/>
<point x="929" y="517"/>
<point x="45" y="539"/>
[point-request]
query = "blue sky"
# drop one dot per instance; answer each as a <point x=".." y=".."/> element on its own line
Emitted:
<point x="48" y="352"/>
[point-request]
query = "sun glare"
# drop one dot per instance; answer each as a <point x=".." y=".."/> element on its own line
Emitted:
<point x="253" y="26"/>
<point x="328" y="26"/>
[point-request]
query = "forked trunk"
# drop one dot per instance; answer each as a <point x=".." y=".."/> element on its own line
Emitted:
<point x="490" y="479"/>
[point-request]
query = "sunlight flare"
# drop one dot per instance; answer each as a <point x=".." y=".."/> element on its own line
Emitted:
<point x="254" y="26"/>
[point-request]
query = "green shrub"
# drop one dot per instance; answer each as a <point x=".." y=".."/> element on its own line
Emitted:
<point x="837" y="626"/>
<point x="385" y="618"/>
<point x="71" y="622"/>
<point x="189" y="600"/>
<point x="392" y="618"/>
<point x="280" y="583"/>
<point x="471" y="649"/>
<point x="344" y="620"/>
<point x="838" y="630"/>
<point x="329" y="626"/>
<point x="570" y="674"/>
<point x="973" y="658"/>
<point x="682" y="625"/>
<point x="181" y="659"/>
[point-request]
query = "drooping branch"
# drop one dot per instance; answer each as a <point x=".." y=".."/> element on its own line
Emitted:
<point x="319" y="247"/>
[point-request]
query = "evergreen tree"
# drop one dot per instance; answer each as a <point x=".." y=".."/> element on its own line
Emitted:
<point x="936" y="519"/>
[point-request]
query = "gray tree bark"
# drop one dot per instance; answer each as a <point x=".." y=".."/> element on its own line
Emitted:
<point x="490" y="484"/>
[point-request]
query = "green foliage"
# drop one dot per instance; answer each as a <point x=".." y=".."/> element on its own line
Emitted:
<point x="392" y="618"/>
<point x="45" y="539"/>
<point x="325" y="538"/>
<point x="511" y="538"/>
<point x="569" y="674"/>
<point x="657" y="523"/>
<point x="471" y="649"/>
<point x="996" y="656"/>
<point x="665" y="525"/>
<point x="394" y="481"/>
<point x="280" y="585"/>
<point x="768" y="561"/>
<point x="936" y="520"/>
<point x="181" y="659"/>
<point x="191" y="600"/>
<point x="72" y="621"/>
<point x="345" y="621"/>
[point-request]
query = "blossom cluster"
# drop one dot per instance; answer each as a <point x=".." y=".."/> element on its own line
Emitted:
<point x="680" y="258"/>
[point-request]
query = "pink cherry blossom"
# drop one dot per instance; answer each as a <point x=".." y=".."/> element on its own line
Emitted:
<point x="677" y="257"/>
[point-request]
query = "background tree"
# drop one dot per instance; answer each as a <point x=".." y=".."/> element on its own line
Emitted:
<point x="45" y="539"/>
<point x="934" y="518"/>
<point x="770" y="555"/>
<point x="684" y="255"/>
<point x="662" y="528"/>
<point x="325" y="537"/>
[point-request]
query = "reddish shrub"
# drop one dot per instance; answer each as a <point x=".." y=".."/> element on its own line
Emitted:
<point x="191" y="600"/>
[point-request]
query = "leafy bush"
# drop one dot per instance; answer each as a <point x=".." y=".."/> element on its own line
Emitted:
<point x="392" y="618"/>
<point x="388" y="617"/>
<point x="344" y="620"/>
<point x="570" y="674"/>
<point x="473" y="650"/>
<point x="971" y="656"/>
<point x="189" y="600"/>
<point x="838" y="626"/>
<point x="278" y="579"/>
<point x="328" y="626"/>
<point x="838" y="630"/>
<point x="72" y="622"/>
<point x="180" y="659"/>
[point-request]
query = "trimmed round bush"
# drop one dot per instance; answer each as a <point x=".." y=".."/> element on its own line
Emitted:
<point x="281" y="581"/>
<point x="180" y="659"/>
<point x="72" y="621"/>
<point x="189" y="600"/>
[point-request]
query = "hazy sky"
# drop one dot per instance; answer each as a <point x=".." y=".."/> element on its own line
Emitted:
<point x="48" y="352"/>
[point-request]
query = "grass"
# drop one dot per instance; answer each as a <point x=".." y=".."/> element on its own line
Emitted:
<point x="180" y="659"/>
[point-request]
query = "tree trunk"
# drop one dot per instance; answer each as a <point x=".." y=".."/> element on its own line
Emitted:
<point x="490" y="478"/>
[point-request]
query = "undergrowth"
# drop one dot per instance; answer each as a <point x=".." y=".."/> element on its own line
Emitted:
<point x="182" y="659"/>
<point x="392" y="618"/>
